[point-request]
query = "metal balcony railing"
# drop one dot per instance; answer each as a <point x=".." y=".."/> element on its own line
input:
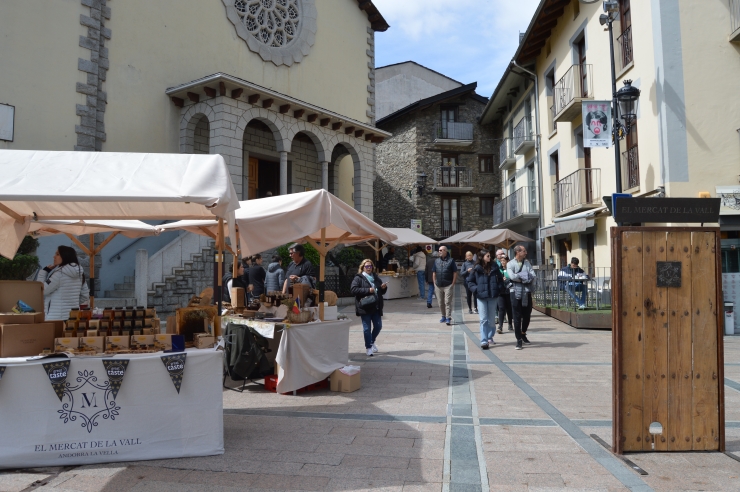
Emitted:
<point x="453" y="177"/>
<point x="630" y="168"/>
<point x="551" y="289"/>
<point x="580" y="188"/>
<point x="522" y="201"/>
<point x="575" y="84"/>
<point x="551" y="119"/>
<point x="734" y="20"/>
<point x="453" y="130"/>
<point x="505" y="152"/>
<point x="523" y="131"/>
<point x="623" y="48"/>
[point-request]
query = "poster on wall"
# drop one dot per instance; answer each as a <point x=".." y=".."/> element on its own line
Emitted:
<point x="416" y="225"/>
<point x="729" y="199"/>
<point x="7" y="122"/>
<point x="597" y="123"/>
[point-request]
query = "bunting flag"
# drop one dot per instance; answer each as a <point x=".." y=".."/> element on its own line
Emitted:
<point x="57" y="372"/>
<point x="115" y="369"/>
<point x="2" y="371"/>
<point x="175" y="365"/>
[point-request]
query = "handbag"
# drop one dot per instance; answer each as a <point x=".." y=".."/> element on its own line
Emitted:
<point x="368" y="301"/>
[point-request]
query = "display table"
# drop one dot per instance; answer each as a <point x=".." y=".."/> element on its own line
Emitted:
<point x="400" y="287"/>
<point x="146" y="419"/>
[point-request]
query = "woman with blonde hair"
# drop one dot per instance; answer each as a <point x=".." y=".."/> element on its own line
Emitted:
<point x="368" y="290"/>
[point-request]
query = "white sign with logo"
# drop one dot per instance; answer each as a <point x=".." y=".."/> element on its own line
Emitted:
<point x="597" y="123"/>
<point x="113" y="409"/>
<point x="7" y="122"/>
<point x="416" y="225"/>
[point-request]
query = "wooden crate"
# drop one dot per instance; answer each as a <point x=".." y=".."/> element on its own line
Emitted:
<point x="190" y="320"/>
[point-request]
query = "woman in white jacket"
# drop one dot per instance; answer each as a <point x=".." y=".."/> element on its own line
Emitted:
<point x="65" y="287"/>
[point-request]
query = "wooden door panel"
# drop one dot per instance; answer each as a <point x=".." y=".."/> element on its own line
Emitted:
<point x="679" y="429"/>
<point x="254" y="166"/>
<point x="631" y="343"/>
<point x="655" y="384"/>
<point x="705" y="408"/>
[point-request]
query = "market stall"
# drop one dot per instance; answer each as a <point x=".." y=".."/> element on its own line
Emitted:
<point x="400" y="285"/>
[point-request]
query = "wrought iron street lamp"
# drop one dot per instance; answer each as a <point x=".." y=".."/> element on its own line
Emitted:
<point x="421" y="181"/>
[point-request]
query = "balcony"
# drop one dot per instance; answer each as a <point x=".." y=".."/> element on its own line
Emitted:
<point x="734" y="21"/>
<point x="578" y="191"/>
<point x="453" y="133"/>
<point x="623" y="55"/>
<point x="570" y="90"/>
<point x="517" y="209"/>
<point x="630" y="169"/>
<point x="551" y="120"/>
<point x="453" y="179"/>
<point x="523" y="136"/>
<point x="506" y="155"/>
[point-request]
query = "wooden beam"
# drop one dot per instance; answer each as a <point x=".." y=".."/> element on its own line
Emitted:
<point x="338" y="240"/>
<point x="210" y="91"/>
<point x="298" y="113"/>
<point x="359" y="133"/>
<point x="237" y="93"/>
<point x="222" y="88"/>
<point x="267" y="103"/>
<point x="253" y="99"/>
<point x="11" y="213"/>
<point x="349" y="130"/>
<point x="336" y="126"/>
<point x="377" y="140"/>
<point x="369" y="136"/>
<point x="78" y="243"/>
<point x="178" y="101"/>
<point x="365" y="4"/>
<point x="193" y="97"/>
<point x="208" y="233"/>
<point x="284" y="108"/>
<point x="374" y="17"/>
<point x="312" y="117"/>
<point x="324" y="121"/>
<point x="104" y="243"/>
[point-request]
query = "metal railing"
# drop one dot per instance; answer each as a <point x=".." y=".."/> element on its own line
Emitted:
<point x="453" y="130"/>
<point x="582" y="187"/>
<point x="522" y="201"/>
<point x="623" y="46"/>
<point x="551" y="119"/>
<point x="630" y="168"/>
<point x="506" y="151"/>
<point x="575" y="83"/>
<point x="451" y="227"/>
<point x="734" y="16"/>
<point x="453" y="177"/>
<point x="523" y="131"/>
<point x="554" y="291"/>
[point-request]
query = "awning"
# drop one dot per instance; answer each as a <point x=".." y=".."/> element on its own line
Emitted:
<point x="573" y="223"/>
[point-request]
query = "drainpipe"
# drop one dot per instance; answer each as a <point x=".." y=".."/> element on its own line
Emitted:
<point x="538" y="150"/>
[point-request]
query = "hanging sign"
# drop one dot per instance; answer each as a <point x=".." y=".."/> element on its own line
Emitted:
<point x="57" y="372"/>
<point x="597" y="123"/>
<point x="175" y="365"/>
<point x="115" y="369"/>
<point x="661" y="210"/>
<point x="416" y="225"/>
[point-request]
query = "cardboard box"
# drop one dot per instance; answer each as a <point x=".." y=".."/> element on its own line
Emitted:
<point x="142" y="342"/>
<point x="237" y="297"/>
<point x="114" y="344"/>
<point x="163" y="341"/>
<point x="301" y="291"/>
<point x="339" y="381"/>
<point x="21" y="318"/>
<point x="25" y="340"/>
<point x="11" y="291"/>
<point x="92" y="345"/>
<point x="204" y="340"/>
<point x="66" y="344"/>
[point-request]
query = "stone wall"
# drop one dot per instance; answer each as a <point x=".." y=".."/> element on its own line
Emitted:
<point x="395" y="181"/>
<point x="201" y="137"/>
<point x="304" y="166"/>
<point x="258" y="136"/>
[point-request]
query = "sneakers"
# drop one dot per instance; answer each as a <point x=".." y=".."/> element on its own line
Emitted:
<point x="449" y="321"/>
<point x="429" y="304"/>
<point x="525" y="339"/>
<point x="443" y="320"/>
<point x="518" y="345"/>
<point x="374" y="348"/>
<point x="470" y="311"/>
<point x="582" y="306"/>
<point x="475" y="310"/>
<point x="370" y="352"/>
<point x="491" y="342"/>
<point x="484" y="345"/>
<point x="511" y="327"/>
<point x="499" y="330"/>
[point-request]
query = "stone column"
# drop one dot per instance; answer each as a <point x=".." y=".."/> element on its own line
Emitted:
<point x="283" y="173"/>
<point x="142" y="277"/>
<point x="325" y="175"/>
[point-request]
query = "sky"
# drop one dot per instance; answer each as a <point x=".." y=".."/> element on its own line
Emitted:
<point x="467" y="40"/>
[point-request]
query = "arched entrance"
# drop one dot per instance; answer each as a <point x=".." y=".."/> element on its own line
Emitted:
<point x="344" y="174"/>
<point x="305" y="162"/>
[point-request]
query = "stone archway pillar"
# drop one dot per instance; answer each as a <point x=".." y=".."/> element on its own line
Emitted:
<point x="283" y="173"/>
<point x="325" y="175"/>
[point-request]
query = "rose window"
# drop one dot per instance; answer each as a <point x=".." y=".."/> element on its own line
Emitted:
<point x="274" y="23"/>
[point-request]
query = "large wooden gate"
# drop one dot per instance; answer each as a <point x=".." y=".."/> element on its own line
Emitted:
<point x="667" y="339"/>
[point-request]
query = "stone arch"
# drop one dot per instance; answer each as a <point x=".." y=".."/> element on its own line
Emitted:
<point x="317" y="137"/>
<point x="341" y="146"/>
<point x="193" y="115"/>
<point x="273" y="122"/>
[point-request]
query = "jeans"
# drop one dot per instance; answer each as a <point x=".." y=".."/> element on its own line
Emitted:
<point x="504" y="309"/>
<point x="421" y="278"/>
<point x="521" y="314"/>
<point x="377" y="323"/>
<point x="469" y="293"/>
<point x="430" y="292"/>
<point x="444" y="297"/>
<point x="573" y="288"/>
<point x="487" y="321"/>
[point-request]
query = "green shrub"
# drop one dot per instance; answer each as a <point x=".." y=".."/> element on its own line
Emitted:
<point x="312" y="254"/>
<point x="349" y="258"/>
<point x="24" y="263"/>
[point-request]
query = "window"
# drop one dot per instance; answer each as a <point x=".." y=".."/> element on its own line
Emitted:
<point x="624" y="40"/>
<point x="576" y="9"/>
<point x="630" y="159"/>
<point x="450" y="216"/>
<point x="581" y="56"/>
<point x="450" y="173"/>
<point x="532" y="184"/>
<point x="555" y="166"/>
<point x="486" y="206"/>
<point x="549" y="90"/>
<point x="449" y="160"/>
<point x="486" y="163"/>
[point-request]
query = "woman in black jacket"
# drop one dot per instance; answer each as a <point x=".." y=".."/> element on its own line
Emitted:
<point x="365" y="284"/>
<point x="487" y="283"/>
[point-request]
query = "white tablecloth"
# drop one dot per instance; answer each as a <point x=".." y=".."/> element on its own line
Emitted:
<point x="147" y="420"/>
<point x="310" y="352"/>
<point x="400" y="287"/>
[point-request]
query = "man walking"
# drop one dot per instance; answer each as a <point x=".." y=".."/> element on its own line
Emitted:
<point x="521" y="275"/>
<point x="444" y="276"/>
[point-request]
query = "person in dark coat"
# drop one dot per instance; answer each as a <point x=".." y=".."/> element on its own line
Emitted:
<point x="228" y="282"/>
<point x="367" y="283"/>
<point x="257" y="276"/>
<point x="487" y="283"/>
<point x="429" y="273"/>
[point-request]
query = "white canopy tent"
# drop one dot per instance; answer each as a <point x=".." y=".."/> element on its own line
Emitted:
<point x="460" y="237"/>
<point x="499" y="237"/>
<point x="406" y="238"/>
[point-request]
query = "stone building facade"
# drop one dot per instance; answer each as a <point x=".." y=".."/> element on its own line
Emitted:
<point x="456" y="158"/>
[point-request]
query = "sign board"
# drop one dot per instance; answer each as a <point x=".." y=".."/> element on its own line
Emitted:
<point x="416" y="225"/>
<point x="660" y="210"/>
<point x="597" y="123"/>
<point x="730" y="196"/>
<point x="7" y="122"/>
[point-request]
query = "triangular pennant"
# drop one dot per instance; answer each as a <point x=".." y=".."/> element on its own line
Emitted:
<point x="175" y="365"/>
<point x="115" y="369"/>
<point x="2" y="371"/>
<point x="57" y="372"/>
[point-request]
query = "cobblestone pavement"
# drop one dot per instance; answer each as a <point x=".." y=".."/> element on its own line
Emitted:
<point x="434" y="413"/>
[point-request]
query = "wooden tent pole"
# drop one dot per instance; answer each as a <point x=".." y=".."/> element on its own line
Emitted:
<point x="220" y="262"/>
<point x="92" y="270"/>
